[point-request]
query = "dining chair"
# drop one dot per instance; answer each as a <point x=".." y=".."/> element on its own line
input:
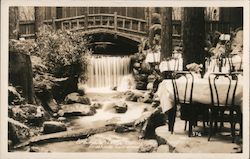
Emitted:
<point x="183" y="96"/>
<point x="224" y="110"/>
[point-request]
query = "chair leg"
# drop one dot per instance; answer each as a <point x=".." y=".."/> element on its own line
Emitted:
<point x="185" y="127"/>
<point x="210" y="125"/>
<point x="190" y="127"/>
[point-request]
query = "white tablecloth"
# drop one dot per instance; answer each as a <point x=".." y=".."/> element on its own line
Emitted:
<point x="201" y="92"/>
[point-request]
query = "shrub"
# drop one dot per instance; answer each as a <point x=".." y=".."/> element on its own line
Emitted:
<point x="65" y="53"/>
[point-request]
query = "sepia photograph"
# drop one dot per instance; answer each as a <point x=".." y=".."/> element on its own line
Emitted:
<point x="125" y="79"/>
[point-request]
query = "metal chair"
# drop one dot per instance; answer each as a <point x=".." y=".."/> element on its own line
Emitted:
<point x="218" y="108"/>
<point x="189" y="110"/>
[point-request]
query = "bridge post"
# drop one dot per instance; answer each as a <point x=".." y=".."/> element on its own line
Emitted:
<point x="115" y="21"/>
<point x="53" y="23"/>
<point x="86" y="20"/>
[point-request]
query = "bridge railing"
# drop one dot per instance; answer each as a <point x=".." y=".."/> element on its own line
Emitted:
<point x="92" y="21"/>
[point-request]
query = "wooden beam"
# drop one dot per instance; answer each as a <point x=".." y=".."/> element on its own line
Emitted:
<point x="193" y="31"/>
<point x="166" y="33"/>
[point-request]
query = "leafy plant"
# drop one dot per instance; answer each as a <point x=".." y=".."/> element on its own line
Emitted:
<point x="65" y="53"/>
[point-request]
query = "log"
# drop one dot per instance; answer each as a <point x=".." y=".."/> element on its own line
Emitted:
<point x="67" y="135"/>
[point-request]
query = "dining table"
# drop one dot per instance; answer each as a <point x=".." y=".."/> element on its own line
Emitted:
<point x="201" y="91"/>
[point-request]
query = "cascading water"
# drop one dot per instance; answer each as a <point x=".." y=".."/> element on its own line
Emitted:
<point x="108" y="71"/>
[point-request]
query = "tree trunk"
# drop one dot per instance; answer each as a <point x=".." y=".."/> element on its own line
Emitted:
<point x="193" y="31"/>
<point x="166" y="33"/>
<point x="13" y="23"/>
<point x="39" y="18"/>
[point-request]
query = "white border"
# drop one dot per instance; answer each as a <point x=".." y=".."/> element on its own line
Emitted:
<point x="139" y="3"/>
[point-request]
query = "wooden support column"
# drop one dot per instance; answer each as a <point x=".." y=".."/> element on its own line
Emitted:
<point x="39" y="18"/>
<point x="115" y="21"/>
<point x="166" y="33"/>
<point x="13" y="22"/>
<point x="54" y="23"/>
<point x="193" y="31"/>
<point x="86" y="20"/>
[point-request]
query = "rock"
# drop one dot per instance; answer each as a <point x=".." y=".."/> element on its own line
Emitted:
<point x="14" y="97"/>
<point x="114" y="88"/>
<point x="17" y="133"/>
<point x="163" y="149"/>
<point x="124" y="129"/>
<point x="137" y="65"/>
<point x="131" y="96"/>
<point x="71" y="98"/>
<point x="97" y="105"/>
<point x="61" y="119"/>
<point x="53" y="127"/>
<point x="145" y="68"/>
<point x="30" y="114"/>
<point x="84" y="100"/>
<point x="63" y="87"/>
<point x="81" y="89"/>
<point x="37" y="149"/>
<point x="76" y="98"/>
<point x="20" y="74"/>
<point x="148" y="146"/>
<point x="141" y="85"/>
<point x="150" y="86"/>
<point x="121" y="107"/>
<point x="76" y="109"/>
<point x="60" y="112"/>
<point x="147" y="97"/>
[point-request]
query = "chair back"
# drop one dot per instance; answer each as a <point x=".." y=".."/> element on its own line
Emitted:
<point x="229" y="89"/>
<point x="188" y="91"/>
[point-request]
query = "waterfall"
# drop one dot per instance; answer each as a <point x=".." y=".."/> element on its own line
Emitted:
<point x="107" y="71"/>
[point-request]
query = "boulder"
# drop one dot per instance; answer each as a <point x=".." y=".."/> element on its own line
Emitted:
<point x="148" y="146"/>
<point x="30" y="114"/>
<point x="62" y="119"/>
<point x="121" y="107"/>
<point x="137" y="65"/>
<point x="147" y="97"/>
<point x="97" y="105"/>
<point x="53" y="127"/>
<point x="76" y="109"/>
<point x="150" y="86"/>
<point x="14" y="96"/>
<point x="76" y="98"/>
<point x="132" y="96"/>
<point x="124" y="129"/>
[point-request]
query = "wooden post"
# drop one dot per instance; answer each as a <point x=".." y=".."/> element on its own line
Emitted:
<point x="166" y="33"/>
<point x="13" y="23"/>
<point x="86" y="20"/>
<point x="115" y="21"/>
<point x="101" y="20"/>
<point x="123" y="23"/>
<point x="54" y="23"/>
<point x="193" y="29"/>
<point x="39" y="18"/>
<point x="77" y="23"/>
<point x="62" y="25"/>
<point x="70" y="24"/>
<point x="131" y="25"/>
<point x="139" y="26"/>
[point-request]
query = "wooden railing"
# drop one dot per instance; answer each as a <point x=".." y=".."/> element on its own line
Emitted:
<point x="112" y="22"/>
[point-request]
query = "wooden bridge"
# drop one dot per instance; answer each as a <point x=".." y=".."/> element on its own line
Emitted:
<point x="127" y="27"/>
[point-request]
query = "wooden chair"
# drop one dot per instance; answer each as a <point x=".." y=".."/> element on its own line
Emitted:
<point x="189" y="110"/>
<point x="218" y="109"/>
